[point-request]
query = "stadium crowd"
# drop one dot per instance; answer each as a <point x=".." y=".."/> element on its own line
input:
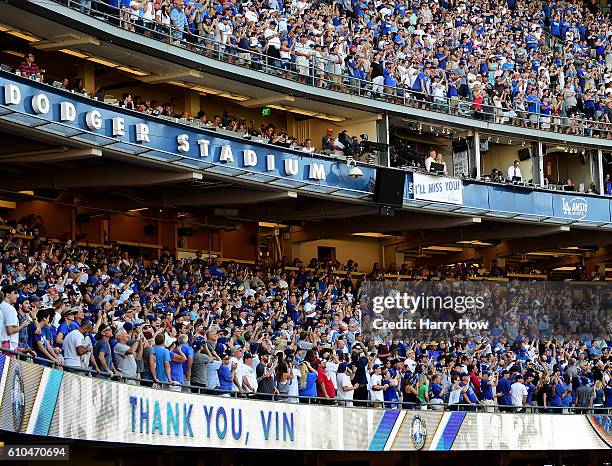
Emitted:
<point x="539" y="64"/>
<point x="272" y="331"/>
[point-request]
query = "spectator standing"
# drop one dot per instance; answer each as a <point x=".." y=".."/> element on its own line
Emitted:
<point x="75" y="346"/>
<point x="504" y="390"/>
<point x="9" y="322"/>
<point x="608" y="185"/>
<point x="346" y="388"/>
<point x="126" y="354"/>
<point x="376" y="386"/>
<point x="487" y="389"/>
<point x="584" y="397"/>
<point x="308" y="380"/>
<point x="159" y="361"/>
<point x="325" y="386"/>
<point x="265" y="376"/>
<point x="519" y="393"/>
<point x="102" y="351"/>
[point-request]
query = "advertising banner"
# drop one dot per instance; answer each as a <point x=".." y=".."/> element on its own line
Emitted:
<point x="579" y="208"/>
<point x="47" y="402"/>
<point x="438" y="188"/>
<point x="525" y="200"/>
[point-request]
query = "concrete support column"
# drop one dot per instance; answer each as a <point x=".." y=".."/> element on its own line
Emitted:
<point x="192" y="103"/>
<point x="87" y="73"/>
<point x="538" y="175"/>
<point x="477" y="161"/>
<point x="599" y="183"/>
<point x="382" y="134"/>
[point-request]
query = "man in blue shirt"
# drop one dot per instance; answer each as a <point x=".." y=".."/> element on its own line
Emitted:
<point x="487" y="387"/>
<point x="530" y="390"/>
<point x="607" y="185"/>
<point x="533" y="106"/>
<point x="159" y="360"/>
<point x="504" y="391"/>
<point x="469" y="396"/>
<point x="178" y="20"/>
<point x="225" y="373"/>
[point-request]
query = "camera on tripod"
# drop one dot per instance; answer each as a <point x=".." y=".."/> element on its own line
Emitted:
<point x="363" y="149"/>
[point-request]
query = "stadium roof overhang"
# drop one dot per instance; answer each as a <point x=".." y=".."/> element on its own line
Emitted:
<point x="77" y="173"/>
<point x="107" y="172"/>
<point x="57" y="23"/>
<point x="100" y="172"/>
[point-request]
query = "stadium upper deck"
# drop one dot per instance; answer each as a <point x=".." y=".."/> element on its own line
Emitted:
<point x="496" y="55"/>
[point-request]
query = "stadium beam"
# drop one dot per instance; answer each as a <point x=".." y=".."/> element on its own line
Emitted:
<point x="230" y="197"/>
<point x="164" y="78"/>
<point x="575" y="238"/>
<point x="279" y="99"/>
<point x="100" y="177"/>
<point x="487" y="231"/>
<point x="58" y="154"/>
<point x="377" y="224"/>
<point x="51" y="46"/>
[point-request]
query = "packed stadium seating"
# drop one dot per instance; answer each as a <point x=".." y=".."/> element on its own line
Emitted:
<point x="290" y="333"/>
<point x="544" y="65"/>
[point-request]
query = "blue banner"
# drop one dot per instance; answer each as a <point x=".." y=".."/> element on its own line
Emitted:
<point x="526" y="201"/>
<point x="577" y="208"/>
<point x="196" y="147"/>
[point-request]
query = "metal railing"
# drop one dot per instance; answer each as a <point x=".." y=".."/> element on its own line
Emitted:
<point x="313" y="72"/>
<point x="310" y="400"/>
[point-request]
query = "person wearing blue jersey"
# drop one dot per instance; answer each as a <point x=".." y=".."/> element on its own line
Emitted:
<point x="503" y="391"/>
<point x="487" y="390"/>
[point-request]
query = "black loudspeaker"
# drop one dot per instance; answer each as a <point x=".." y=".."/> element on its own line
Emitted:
<point x="149" y="230"/>
<point x="82" y="218"/>
<point x="460" y="145"/>
<point x="389" y="188"/>
<point x="185" y="231"/>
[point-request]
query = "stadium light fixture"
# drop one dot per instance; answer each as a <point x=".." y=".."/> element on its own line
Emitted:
<point x="74" y="53"/>
<point x="272" y="225"/>
<point x="371" y="234"/>
<point x="100" y="61"/>
<point x="543" y="253"/>
<point x="323" y="116"/>
<point x="132" y="71"/>
<point x="23" y="36"/>
<point x="8" y="205"/>
<point x="299" y="111"/>
<point x="231" y="96"/>
<point x="475" y="242"/>
<point x="204" y="90"/>
<point x="14" y="53"/>
<point x="443" y="248"/>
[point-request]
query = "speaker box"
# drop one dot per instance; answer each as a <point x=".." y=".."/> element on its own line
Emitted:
<point x="460" y="145"/>
<point x="389" y="187"/>
<point x="82" y="218"/>
<point x="149" y="230"/>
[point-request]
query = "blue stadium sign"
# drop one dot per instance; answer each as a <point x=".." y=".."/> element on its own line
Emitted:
<point x="195" y="147"/>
